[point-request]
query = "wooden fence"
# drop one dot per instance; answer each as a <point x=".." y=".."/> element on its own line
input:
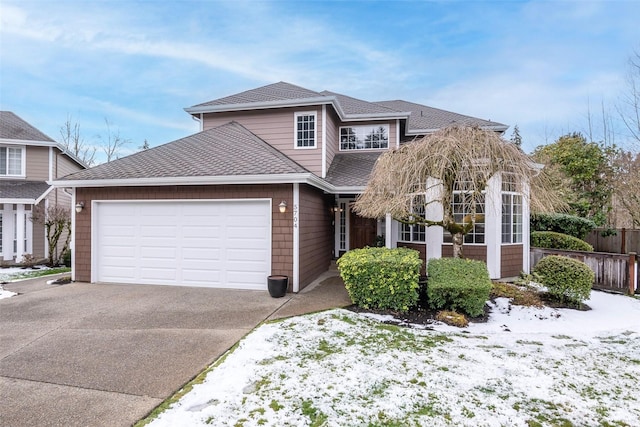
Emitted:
<point x="623" y="242"/>
<point x="614" y="272"/>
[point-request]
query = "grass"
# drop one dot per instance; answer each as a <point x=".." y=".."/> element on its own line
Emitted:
<point x="30" y="274"/>
<point x="336" y="368"/>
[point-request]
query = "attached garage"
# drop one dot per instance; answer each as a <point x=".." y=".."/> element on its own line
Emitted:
<point x="206" y="243"/>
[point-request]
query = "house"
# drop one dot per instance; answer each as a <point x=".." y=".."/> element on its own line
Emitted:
<point x="266" y="188"/>
<point x="28" y="160"/>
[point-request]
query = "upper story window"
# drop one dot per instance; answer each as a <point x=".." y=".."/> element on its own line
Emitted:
<point x="364" y="137"/>
<point x="305" y="129"/>
<point x="11" y="161"/>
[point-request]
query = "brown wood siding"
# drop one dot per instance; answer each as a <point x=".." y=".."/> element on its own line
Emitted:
<point x="276" y="126"/>
<point x="511" y="260"/>
<point x="37" y="159"/>
<point x="316" y="233"/>
<point x="477" y="252"/>
<point x="281" y="232"/>
<point x="420" y="247"/>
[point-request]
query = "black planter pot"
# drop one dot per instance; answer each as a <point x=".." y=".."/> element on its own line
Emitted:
<point x="277" y="285"/>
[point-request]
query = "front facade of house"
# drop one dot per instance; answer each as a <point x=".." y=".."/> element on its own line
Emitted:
<point x="28" y="160"/>
<point x="265" y="188"/>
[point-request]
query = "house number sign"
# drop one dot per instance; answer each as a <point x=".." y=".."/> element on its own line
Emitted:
<point x="295" y="216"/>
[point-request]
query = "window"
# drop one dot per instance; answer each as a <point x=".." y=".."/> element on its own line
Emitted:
<point x="364" y="137"/>
<point x="461" y="209"/>
<point x="11" y="161"/>
<point x="511" y="211"/>
<point x="305" y="130"/>
<point x="414" y="233"/>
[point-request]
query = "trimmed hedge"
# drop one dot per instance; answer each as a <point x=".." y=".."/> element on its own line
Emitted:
<point x="381" y="278"/>
<point x="566" y="279"/>
<point x="456" y="283"/>
<point x="553" y="240"/>
<point x="562" y="223"/>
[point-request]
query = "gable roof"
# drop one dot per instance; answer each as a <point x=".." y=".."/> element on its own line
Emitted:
<point x="20" y="191"/>
<point x="352" y="169"/>
<point x="421" y="119"/>
<point x="424" y="119"/>
<point x="13" y="127"/>
<point x="226" y="150"/>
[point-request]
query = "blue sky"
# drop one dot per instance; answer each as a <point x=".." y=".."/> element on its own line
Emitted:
<point x="537" y="64"/>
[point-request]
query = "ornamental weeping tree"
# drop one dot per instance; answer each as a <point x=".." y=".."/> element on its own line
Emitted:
<point x="453" y="160"/>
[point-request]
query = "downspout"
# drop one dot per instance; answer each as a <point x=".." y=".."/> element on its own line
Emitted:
<point x="324" y="141"/>
<point x="199" y="120"/>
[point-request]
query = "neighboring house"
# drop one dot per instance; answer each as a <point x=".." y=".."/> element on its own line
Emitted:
<point x="28" y="160"/>
<point x="266" y="188"/>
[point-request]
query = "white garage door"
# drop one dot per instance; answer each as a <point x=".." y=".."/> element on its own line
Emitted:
<point x="221" y="244"/>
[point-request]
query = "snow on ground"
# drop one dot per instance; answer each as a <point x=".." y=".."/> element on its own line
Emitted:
<point x="6" y="294"/>
<point x="525" y="366"/>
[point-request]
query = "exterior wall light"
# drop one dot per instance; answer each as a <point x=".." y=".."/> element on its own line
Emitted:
<point x="283" y="206"/>
<point x="79" y="207"/>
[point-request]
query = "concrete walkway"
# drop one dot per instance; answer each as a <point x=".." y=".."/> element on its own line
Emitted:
<point x="106" y="355"/>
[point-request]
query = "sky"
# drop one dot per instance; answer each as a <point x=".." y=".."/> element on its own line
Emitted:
<point x="542" y="65"/>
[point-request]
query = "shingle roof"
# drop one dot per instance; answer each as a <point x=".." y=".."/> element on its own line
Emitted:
<point x="428" y="118"/>
<point x="22" y="189"/>
<point x="13" y="127"/>
<point x="357" y="106"/>
<point x="226" y="150"/>
<point x="274" y="92"/>
<point x="352" y="169"/>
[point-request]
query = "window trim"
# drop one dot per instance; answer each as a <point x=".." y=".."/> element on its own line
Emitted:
<point x="447" y="236"/>
<point x="421" y="229"/>
<point x="315" y="129"/>
<point x="512" y="224"/>
<point x="372" y="126"/>
<point x="23" y="161"/>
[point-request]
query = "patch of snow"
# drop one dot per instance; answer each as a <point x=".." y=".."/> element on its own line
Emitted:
<point x="6" y="294"/>
<point x="336" y="368"/>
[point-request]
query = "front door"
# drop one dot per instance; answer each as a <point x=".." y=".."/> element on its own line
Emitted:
<point x="362" y="231"/>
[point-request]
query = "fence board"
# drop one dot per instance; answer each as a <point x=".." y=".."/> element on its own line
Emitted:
<point x="611" y="270"/>
<point x="623" y="242"/>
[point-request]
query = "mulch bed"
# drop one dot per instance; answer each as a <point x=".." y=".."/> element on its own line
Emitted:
<point x="424" y="316"/>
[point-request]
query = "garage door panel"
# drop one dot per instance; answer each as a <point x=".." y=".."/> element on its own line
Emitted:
<point x="203" y="243"/>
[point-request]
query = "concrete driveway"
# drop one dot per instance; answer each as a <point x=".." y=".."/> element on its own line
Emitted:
<point x="97" y="355"/>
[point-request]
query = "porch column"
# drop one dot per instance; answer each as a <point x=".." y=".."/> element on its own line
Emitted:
<point x="526" y="229"/>
<point x="7" y="232"/>
<point x="493" y="225"/>
<point x="388" y="238"/>
<point x="434" y="212"/>
<point x="20" y="232"/>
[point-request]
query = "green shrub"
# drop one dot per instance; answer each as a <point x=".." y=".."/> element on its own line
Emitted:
<point x="455" y="283"/>
<point x="66" y="258"/>
<point x="562" y="223"/>
<point x="566" y="279"/>
<point x="381" y="278"/>
<point x="553" y="240"/>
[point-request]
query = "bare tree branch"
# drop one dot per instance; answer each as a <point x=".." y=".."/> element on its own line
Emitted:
<point x="112" y="142"/>
<point x="458" y="158"/>
<point x="73" y="141"/>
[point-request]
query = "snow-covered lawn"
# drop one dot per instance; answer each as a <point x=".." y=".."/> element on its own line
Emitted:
<point x="525" y="367"/>
<point x="18" y="273"/>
